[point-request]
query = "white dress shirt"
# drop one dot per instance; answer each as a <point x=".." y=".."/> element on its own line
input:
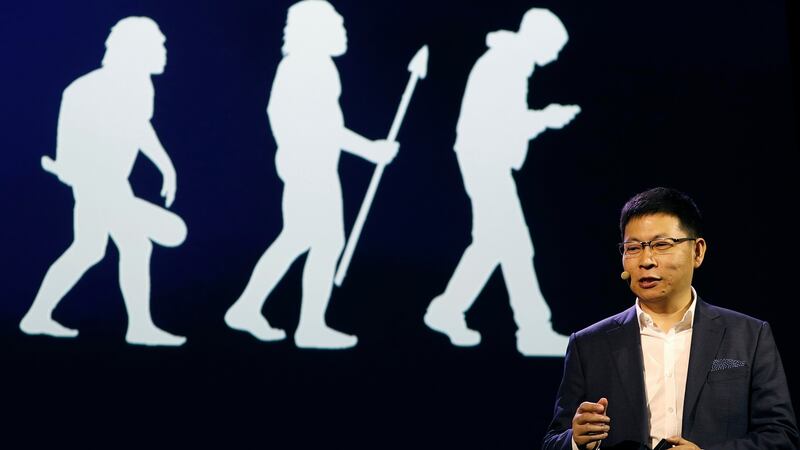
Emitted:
<point x="666" y="363"/>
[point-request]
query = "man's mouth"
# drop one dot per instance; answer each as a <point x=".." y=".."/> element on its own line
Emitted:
<point x="648" y="282"/>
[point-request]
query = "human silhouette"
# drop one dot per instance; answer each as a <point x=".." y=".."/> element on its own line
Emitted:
<point x="309" y="130"/>
<point x="493" y="134"/>
<point x="103" y="123"/>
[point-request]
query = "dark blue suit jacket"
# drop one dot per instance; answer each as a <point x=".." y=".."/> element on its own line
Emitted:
<point x="736" y="391"/>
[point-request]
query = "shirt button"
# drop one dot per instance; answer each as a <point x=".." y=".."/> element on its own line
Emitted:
<point x="669" y="374"/>
<point x="671" y="409"/>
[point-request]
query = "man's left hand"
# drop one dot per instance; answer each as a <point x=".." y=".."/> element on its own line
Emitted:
<point x="682" y="444"/>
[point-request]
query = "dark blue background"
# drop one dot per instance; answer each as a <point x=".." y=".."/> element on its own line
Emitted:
<point x="694" y="95"/>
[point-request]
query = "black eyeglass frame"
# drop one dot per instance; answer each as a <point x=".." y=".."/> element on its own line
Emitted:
<point x="643" y="244"/>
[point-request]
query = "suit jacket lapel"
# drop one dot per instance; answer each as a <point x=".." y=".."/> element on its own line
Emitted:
<point x="707" y="335"/>
<point x="626" y="348"/>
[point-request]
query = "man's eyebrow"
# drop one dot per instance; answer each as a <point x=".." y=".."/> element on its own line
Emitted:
<point x="657" y="236"/>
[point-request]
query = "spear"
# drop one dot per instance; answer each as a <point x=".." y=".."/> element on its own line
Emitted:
<point x="418" y="67"/>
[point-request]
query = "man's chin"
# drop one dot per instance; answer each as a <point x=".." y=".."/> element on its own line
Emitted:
<point x="649" y="296"/>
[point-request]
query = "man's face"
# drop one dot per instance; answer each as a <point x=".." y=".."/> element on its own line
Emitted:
<point x="660" y="279"/>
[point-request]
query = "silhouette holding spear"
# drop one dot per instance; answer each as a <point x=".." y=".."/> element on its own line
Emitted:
<point x="308" y="126"/>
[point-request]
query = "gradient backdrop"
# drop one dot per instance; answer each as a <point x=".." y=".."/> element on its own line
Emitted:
<point x="693" y="95"/>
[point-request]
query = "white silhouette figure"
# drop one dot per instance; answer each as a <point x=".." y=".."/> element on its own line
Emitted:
<point x="309" y="129"/>
<point x="493" y="133"/>
<point x="103" y="123"/>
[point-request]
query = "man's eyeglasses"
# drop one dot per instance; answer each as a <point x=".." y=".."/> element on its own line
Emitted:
<point x="659" y="246"/>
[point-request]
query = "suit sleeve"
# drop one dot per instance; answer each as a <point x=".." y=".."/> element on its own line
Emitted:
<point x="570" y="395"/>
<point x="772" y="423"/>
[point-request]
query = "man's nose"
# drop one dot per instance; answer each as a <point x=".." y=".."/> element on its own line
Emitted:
<point x="647" y="257"/>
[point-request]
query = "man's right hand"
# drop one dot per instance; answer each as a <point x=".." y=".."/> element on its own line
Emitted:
<point x="590" y="424"/>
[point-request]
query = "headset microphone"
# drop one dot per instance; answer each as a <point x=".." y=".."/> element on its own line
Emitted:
<point x="625" y="275"/>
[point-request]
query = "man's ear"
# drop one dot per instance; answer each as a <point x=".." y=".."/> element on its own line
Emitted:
<point x="699" y="251"/>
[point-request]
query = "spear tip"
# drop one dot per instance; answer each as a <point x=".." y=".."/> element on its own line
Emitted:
<point x="419" y="63"/>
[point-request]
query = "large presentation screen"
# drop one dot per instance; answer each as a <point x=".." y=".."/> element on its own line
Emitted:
<point x="365" y="223"/>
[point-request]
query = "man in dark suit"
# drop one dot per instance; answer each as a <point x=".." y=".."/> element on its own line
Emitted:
<point x="672" y="366"/>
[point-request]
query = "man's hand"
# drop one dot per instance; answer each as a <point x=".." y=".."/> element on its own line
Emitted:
<point x="383" y="151"/>
<point x="168" y="187"/>
<point x="556" y="116"/>
<point x="590" y="424"/>
<point x="682" y="444"/>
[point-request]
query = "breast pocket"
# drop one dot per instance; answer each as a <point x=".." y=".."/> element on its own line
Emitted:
<point x="724" y="375"/>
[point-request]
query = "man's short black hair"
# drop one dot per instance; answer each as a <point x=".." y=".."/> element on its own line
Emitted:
<point x="667" y="201"/>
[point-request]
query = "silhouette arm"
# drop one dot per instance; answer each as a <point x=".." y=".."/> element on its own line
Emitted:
<point x="536" y="122"/>
<point x="71" y="156"/>
<point x="553" y="116"/>
<point x="379" y="151"/>
<point x="152" y="148"/>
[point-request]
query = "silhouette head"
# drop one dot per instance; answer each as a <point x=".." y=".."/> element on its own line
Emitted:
<point x="314" y="27"/>
<point x="136" y="44"/>
<point x="543" y="35"/>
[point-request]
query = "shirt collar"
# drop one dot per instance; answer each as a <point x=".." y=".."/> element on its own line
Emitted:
<point x="686" y="323"/>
